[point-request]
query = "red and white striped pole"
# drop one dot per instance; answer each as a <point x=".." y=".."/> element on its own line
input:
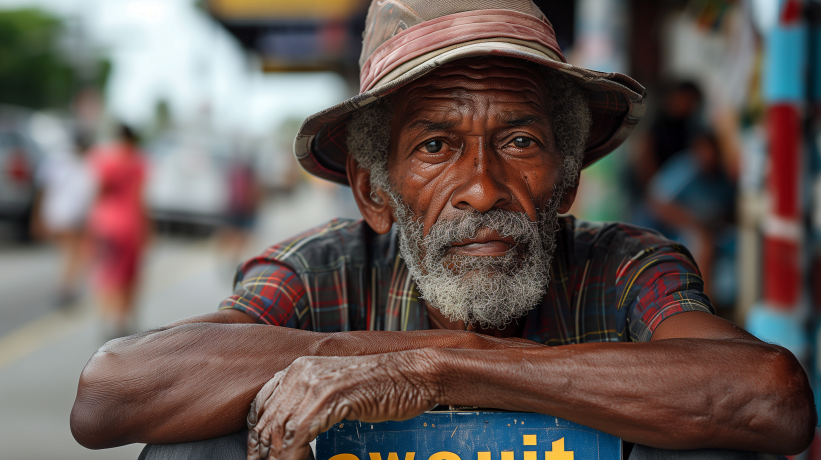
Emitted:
<point x="783" y="312"/>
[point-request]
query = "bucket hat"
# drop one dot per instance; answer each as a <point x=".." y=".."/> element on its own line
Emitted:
<point x="406" y="39"/>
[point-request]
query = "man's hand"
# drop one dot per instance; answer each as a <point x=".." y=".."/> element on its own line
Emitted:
<point x="314" y="393"/>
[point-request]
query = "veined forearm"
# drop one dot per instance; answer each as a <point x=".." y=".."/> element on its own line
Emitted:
<point x="675" y="394"/>
<point x="188" y="382"/>
<point x="196" y="381"/>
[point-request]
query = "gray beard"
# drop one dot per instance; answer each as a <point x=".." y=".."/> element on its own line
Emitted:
<point x="489" y="290"/>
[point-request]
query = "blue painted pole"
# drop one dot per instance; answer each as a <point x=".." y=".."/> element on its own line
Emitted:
<point x="782" y="314"/>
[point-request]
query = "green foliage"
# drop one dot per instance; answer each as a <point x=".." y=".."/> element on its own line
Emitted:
<point x="34" y="72"/>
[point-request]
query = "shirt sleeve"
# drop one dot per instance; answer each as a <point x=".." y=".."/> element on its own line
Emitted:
<point x="271" y="293"/>
<point x="661" y="284"/>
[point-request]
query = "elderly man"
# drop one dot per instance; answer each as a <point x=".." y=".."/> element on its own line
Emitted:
<point x="463" y="285"/>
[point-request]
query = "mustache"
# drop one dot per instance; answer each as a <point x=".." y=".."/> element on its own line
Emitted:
<point x="513" y="224"/>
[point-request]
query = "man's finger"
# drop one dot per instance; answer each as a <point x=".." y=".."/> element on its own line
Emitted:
<point x="312" y="417"/>
<point x="265" y="410"/>
<point x="252" y="452"/>
<point x="279" y="408"/>
<point x="251" y="419"/>
<point x="275" y="425"/>
<point x="257" y="450"/>
<point x="258" y="405"/>
<point x="294" y="441"/>
<point x="258" y="417"/>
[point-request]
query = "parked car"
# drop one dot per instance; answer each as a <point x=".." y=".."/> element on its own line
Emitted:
<point x="187" y="186"/>
<point x="20" y="155"/>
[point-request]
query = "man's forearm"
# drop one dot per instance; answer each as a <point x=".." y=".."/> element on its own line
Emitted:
<point x="196" y="381"/>
<point x="674" y="394"/>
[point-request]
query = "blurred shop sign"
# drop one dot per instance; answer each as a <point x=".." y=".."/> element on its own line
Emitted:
<point x="306" y="35"/>
<point x="296" y="35"/>
<point x="282" y="9"/>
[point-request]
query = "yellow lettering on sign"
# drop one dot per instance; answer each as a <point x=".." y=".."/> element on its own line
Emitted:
<point x="344" y="457"/>
<point x="392" y="456"/>
<point x="530" y="439"/>
<point x="484" y="455"/>
<point x="444" y="456"/>
<point x="507" y="455"/>
<point x="530" y="455"/>
<point x="558" y="452"/>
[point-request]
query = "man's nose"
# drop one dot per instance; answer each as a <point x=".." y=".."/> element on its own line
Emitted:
<point x="481" y="179"/>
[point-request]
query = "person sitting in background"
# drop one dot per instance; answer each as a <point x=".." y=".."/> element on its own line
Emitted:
<point x="693" y="199"/>
<point x="672" y="129"/>
<point x="119" y="226"/>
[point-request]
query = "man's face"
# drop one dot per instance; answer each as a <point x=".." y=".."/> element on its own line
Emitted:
<point x="476" y="185"/>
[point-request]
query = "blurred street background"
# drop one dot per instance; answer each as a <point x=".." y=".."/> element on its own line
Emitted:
<point x="178" y="118"/>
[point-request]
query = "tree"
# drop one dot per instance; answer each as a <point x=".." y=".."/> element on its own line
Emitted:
<point x="34" y="71"/>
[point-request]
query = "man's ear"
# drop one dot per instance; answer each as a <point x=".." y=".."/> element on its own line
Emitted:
<point x="374" y="205"/>
<point x="569" y="196"/>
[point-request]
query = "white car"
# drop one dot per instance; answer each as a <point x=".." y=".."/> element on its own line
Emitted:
<point x="187" y="184"/>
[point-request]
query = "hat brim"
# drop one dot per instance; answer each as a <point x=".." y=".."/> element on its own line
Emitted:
<point x="617" y="104"/>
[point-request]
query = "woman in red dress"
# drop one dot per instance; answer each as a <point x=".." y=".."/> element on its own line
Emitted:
<point x="119" y="225"/>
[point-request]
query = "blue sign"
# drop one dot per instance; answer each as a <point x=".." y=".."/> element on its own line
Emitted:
<point x="467" y="436"/>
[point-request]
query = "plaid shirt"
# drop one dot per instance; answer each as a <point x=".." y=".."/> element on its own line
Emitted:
<point x="609" y="282"/>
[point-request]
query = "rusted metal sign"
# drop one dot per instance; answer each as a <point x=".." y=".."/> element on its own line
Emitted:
<point x="468" y="436"/>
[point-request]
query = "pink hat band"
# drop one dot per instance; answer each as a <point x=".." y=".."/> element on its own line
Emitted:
<point x="452" y="30"/>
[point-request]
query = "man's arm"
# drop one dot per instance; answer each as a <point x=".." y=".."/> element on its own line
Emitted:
<point x="195" y="379"/>
<point x="701" y="382"/>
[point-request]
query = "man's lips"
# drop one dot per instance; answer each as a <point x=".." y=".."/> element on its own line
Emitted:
<point x="486" y="243"/>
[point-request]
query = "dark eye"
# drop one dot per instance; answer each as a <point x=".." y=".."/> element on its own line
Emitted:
<point x="522" y="142"/>
<point x="433" y="146"/>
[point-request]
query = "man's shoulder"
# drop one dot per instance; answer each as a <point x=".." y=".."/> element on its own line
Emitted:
<point x="326" y="247"/>
<point x="613" y="238"/>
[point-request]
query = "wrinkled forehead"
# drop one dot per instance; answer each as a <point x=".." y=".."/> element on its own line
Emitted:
<point x="511" y="80"/>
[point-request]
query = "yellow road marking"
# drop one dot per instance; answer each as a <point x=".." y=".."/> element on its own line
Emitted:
<point x="58" y="325"/>
<point x="41" y="332"/>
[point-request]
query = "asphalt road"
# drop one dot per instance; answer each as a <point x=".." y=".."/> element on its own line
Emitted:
<point x="43" y="351"/>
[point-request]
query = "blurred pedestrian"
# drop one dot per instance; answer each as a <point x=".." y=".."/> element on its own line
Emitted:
<point x="119" y="225"/>
<point x="692" y="198"/>
<point x="244" y="196"/>
<point x="66" y="192"/>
